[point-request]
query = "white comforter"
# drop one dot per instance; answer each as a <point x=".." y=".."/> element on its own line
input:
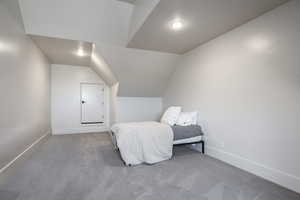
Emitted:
<point x="144" y="142"/>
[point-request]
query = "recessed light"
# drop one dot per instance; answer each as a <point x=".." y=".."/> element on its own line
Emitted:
<point x="6" y="47"/>
<point x="80" y="52"/>
<point x="177" y="25"/>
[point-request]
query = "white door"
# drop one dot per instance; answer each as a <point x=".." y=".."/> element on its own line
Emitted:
<point x="92" y="103"/>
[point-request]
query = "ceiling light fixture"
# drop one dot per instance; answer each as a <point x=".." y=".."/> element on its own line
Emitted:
<point x="6" y="47"/>
<point x="177" y="25"/>
<point x="80" y="52"/>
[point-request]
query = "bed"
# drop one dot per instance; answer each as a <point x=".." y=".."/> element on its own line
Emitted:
<point x="185" y="135"/>
<point x="152" y="142"/>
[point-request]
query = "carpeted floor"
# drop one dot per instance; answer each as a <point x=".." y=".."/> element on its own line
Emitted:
<point x="85" y="167"/>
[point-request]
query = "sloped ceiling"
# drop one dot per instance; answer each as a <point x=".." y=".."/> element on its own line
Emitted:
<point x="142" y="9"/>
<point x="101" y="67"/>
<point x="106" y="21"/>
<point x="109" y="24"/>
<point x="203" y="20"/>
<point x="62" y="51"/>
<point x="140" y="73"/>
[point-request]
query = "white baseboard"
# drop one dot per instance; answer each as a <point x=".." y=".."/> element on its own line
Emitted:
<point x="282" y="178"/>
<point x="86" y="129"/>
<point x="21" y="154"/>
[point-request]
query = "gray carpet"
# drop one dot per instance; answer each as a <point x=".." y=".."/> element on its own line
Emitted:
<point x="84" y="167"/>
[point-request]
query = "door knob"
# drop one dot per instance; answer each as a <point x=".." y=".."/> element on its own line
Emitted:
<point x="82" y="102"/>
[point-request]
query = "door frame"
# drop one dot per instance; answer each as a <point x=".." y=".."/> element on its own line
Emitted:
<point x="104" y="104"/>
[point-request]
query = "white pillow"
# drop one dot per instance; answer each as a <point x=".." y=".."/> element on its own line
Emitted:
<point x="171" y="115"/>
<point x="187" y="118"/>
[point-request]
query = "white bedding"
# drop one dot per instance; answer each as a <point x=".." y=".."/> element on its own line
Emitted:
<point x="144" y="142"/>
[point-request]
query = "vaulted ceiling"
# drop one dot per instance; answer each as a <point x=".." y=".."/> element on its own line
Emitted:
<point x="105" y="21"/>
<point x="111" y="26"/>
<point x="202" y="21"/>
<point x="140" y="73"/>
<point x="63" y="51"/>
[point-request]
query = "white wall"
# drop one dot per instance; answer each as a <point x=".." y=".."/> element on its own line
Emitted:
<point x="24" y="86"/>
<point x="131" y="109"/>
<point x="65" y="99"/>
<point x="246" y="86"/>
